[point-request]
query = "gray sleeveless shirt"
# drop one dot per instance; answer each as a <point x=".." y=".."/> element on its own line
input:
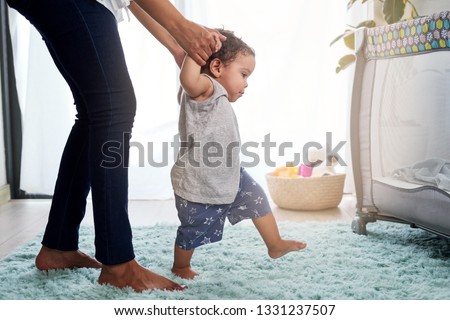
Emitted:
<point x="207" y="169"/>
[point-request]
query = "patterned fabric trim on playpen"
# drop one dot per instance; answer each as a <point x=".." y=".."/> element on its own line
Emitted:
<point x="411" y="36"/>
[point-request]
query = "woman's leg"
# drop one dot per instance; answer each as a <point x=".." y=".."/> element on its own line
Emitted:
<point x="70" y="193"/>
<point x="84" y="42"/>
<point x="83" y="38"/>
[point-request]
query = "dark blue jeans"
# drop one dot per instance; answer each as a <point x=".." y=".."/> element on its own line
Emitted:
<point x="82" y="38"/>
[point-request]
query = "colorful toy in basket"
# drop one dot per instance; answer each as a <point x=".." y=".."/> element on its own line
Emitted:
<point x="293" y="172"/>
<point x="290" y="172"/>
<point x="315" y="156"/>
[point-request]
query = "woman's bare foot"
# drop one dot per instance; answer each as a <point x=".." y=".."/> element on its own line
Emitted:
<point x="132" y="274"/>
<point x="185" y="273"/>
<point x="50" y="259"/>
<point x="285" y="246"/>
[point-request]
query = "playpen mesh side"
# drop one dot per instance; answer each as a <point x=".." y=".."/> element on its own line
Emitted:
<point x="402" y="90"/>
<point x="410" y="118"/>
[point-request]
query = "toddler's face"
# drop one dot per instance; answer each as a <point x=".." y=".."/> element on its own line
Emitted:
<point x="235" y="75"/>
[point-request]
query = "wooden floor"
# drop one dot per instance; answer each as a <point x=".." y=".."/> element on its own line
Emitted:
<point x="22" y="220"/>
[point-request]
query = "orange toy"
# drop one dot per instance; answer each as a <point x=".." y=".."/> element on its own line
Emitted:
<point x="290" y="172"/>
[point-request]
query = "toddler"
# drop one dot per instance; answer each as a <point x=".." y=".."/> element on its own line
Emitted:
<point x="207" y="179"/>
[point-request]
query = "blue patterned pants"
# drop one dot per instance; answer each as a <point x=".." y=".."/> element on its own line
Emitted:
<point x="203" y="223"/>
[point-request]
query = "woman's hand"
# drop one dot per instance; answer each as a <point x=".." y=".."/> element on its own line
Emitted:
<point x="199" y="42"/>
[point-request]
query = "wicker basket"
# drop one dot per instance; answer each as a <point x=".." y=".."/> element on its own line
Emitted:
<point x="314" y="193"/>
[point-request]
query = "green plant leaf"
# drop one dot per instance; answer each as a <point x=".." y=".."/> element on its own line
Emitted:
<point x="367" y="24"/>
<point x="339" y="37"/>
<point x="352" y="2"/>
<point x="345" y="61"/>
<point x="349" y="35"/>
<point x="393" y="10"/>
<point x="349" y="40"/>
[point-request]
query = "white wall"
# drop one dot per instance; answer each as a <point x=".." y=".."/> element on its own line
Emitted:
<point x="426" y="7"/>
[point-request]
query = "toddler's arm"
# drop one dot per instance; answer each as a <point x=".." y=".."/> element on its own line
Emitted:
<point x="196" y="85"/>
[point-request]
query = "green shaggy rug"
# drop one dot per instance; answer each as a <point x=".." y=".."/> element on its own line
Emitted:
<point x="393" y="262"/>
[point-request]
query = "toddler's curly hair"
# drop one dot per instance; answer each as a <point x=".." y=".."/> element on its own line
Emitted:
<point x="229" y="50"/>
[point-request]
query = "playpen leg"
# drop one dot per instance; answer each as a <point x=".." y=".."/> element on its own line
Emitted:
<point x="359" y="225"/>
<point x="360" y="221"/>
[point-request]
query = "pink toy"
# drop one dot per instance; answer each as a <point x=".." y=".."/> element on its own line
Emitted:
<point x="305" y="171"/>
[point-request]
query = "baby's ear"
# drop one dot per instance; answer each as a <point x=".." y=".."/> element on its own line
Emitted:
<point x="215" y="67"/>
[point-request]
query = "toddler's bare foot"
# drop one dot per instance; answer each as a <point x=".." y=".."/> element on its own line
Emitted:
<point x="285" y="246"/>
<point x="50" y="259"/>
<point x="185" y="273"/>
<point x="131" y="274"/>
